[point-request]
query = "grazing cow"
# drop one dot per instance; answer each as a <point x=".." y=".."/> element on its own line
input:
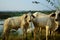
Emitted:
<point x="15" y="23"/>
<point x="41" y="20"/>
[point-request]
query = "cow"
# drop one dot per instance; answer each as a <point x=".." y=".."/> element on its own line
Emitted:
<point x="41" y="20"/>
<point x="16" y="23"/>
<point x="57" y="18"/>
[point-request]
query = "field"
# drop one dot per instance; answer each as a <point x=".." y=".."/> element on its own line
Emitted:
<point x="30" y="36"/>
<point x="16" y="36"/>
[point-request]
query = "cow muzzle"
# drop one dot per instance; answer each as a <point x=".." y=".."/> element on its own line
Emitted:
<point x="56" y="19"/>
<point x="29" y="20"/>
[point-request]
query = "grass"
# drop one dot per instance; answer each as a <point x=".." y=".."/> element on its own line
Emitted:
<point x="31" y="37"/>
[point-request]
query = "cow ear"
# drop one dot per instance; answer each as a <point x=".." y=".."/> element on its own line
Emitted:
<point x="33" y="16"/>
<point x="26" y="16"/>
<point x="52" y="15"/>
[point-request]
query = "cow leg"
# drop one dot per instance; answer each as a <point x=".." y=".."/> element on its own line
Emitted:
<point x="47" y="30"/>
<point x="52" y="35"/>
<point x="5" y="34"/>
<point x="40" y="31"/>
<point x="23" y="35"/>
<point x="34" y="34"/>
<point x="26" y="33"/>
<point x="35" y="30"/>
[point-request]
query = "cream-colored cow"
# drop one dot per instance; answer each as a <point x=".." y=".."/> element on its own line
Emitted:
<point x="15" y="23"/>
<point x="41" y="20"/>
<point x="57" y="18"/>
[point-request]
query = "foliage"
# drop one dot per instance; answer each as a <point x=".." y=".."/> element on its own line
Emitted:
<point x="53" y="3"/>
<point x="4" y="15"/>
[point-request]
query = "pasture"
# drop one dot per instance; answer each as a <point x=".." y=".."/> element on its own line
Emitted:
<point x="17" y="35"/>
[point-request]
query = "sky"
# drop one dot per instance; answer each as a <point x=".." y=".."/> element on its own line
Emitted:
<point x="20" y="5"/>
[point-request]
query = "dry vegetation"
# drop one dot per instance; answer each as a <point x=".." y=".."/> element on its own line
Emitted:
<point x="30" y="36"/>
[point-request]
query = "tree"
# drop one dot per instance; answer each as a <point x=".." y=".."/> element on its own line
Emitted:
<point x="37" y="2"/>
<point x="55" y="3"/>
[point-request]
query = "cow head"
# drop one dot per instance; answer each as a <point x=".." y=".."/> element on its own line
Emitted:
<point x="56" y="16"/>
<point x="28" y="17"/>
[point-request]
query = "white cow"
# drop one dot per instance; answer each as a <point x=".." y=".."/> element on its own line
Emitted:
<point x="41" y="20"/>
<point x="15" y="23"/>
